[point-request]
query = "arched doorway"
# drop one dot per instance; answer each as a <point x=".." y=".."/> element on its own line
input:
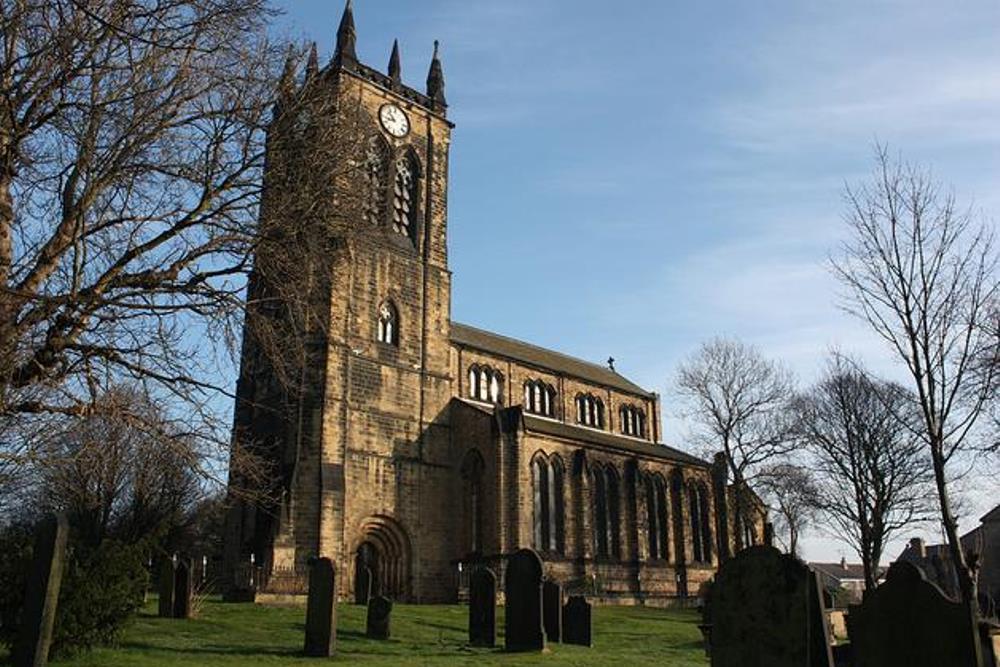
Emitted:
<point x="383" y="556"/>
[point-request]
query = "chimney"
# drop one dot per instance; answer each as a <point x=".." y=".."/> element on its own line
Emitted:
<point x="843" y="563"/>
<point x="917" y="544"/>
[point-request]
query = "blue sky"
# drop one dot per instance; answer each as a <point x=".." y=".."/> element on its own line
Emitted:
<point x="632" y="178"/>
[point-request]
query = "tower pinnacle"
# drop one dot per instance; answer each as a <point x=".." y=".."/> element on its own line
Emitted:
<point x="347" y="38"/>
<point x="395" y="69"/>
<point x="435" y="81"/>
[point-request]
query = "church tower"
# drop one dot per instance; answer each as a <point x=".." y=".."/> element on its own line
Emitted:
<point x="345" y="377"/>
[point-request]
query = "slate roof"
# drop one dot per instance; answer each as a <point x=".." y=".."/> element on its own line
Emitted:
<point x="559" y="429"/>
<point x="487" y="341"/>
<point x="841" y="572"/>
<point x="991" y="516"/>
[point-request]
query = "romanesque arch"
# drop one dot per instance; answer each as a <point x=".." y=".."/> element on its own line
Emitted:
<point x="384" y="548"/>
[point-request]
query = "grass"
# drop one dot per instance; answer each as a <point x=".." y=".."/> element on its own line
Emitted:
<point x="247" y="634"/>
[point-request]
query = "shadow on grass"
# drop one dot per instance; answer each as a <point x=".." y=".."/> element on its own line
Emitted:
<point x="214" y="650"/>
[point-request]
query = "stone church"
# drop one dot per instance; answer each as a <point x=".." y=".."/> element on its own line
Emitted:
<point x="417" y="446"/>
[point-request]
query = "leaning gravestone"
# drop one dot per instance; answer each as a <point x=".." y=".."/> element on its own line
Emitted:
<point x="321" y="609"/>
<point x="909" y="621"/>
<point x="165" y="585"/>
<point x="482" y="607"/>
<point x="576" y="627"/>
<point x="31" y="646"/>
<point x="767" y="611"/>
<point x="379" y="616"/>
<point x="523" y="591"/>
<point x="552" y="610"/>
<point x="363" y="585"/>
<point x="182" y="588"/>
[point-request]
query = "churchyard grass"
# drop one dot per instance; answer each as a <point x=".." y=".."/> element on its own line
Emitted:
<point x="247" y="634"/>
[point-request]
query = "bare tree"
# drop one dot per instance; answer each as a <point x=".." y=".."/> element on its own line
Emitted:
<point x="738" y="399"/>
<point x="793" y="496"/>
<point x="922" y="274"/>
<point x="131" y="153"/>
<point x="873" y="477"/>
<point x="124" y="471"/>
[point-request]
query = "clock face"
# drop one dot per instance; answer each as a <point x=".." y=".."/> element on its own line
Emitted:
<point x="394" y="120"/>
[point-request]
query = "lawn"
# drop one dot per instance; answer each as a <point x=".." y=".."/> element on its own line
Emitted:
<point x="247" y="634"/>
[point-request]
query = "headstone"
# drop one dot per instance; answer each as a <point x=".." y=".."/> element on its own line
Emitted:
<point x="379" y="615"/>
<point x="182" y="588"/>
<point x="482" y="607"/>
<point x="552" y="610"/>
<point x="767" y="611"/>
<point x="363" y="585"/>
<point x="576" y="627"/>
<point x="321" y="609"/>
<point x="523" y="592"/>
<point x="908" y="621"/>
<point x="31" y="646"/>
<point x="168" y="571"/>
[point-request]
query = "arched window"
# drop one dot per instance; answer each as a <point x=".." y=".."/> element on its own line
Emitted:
<point x="549" y="511"/>
<point x="376" y="174"/>
<point x="472" y="478"/>
<point x="701" y="532"/>
<point x="656" y="518"/>
<point x="539" y="398"/>
<point x="607" y="513"/>
<point x="404" y="197"/>
<point x="485" y="384"/>
<point x="388" y="324"/>
<point x="633" y="421"/>
<point x="589" y="410"/>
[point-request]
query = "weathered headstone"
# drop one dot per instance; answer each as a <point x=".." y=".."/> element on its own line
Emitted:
<point x="31" y="646"/>
<point x="908" y="621"/>
<point x="363" y="585"/>
<point x="379" y="616"/>
<point x="552" y="610"/>
<point x="168" y="572"/>
<point x="321" y="609"/>
<point x="523" y="592"/>
<point x="576" y="626"/>
<point x="767" y="611"/>
<point x="482" y="607"/>
<point x="182" y="588"/>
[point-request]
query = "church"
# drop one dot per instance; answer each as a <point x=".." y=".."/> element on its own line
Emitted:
<point x="413" y="447"/>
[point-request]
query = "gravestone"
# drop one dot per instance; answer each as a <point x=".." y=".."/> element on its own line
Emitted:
<point x="321" y="609"/>
<point x="909" y="621"/>
<point x="767" y="611"/>
<point x="363" y="585"/>
<point x="182" y="588"/>
<point x="379" y="616"/>
<point x="576" y="626"/>
<point x="523" y="592"/>
<point x="552" y="610"/>
<point x="482" y="607"/>
<point x="168" y="572"/>
<point x="34" y="636"/>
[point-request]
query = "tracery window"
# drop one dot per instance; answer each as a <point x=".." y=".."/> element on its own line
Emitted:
<point x="539" y="398"/>
<point x="589" y="410"/>
<point x="485" y="384"/>
<point x="376" y="174"/>
<point x="388" y="324"/>
<point x="656" y="518"/>
<point x="404" y="197"/>
<point x="633" y="421"/>
<point x="701" y="532"/>
<point x="607" y="513"/>
<point x="549" y="510"/>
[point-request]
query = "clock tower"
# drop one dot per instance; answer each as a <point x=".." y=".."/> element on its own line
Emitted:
<point x="345" y="376"/>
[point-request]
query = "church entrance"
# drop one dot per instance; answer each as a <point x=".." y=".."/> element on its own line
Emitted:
<point x="382" y="561"/>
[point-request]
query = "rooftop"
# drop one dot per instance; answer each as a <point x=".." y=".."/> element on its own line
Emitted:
<point x="487" y="341"/>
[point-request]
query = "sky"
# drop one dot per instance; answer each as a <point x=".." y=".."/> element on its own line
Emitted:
<point x="633" y="178"/>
